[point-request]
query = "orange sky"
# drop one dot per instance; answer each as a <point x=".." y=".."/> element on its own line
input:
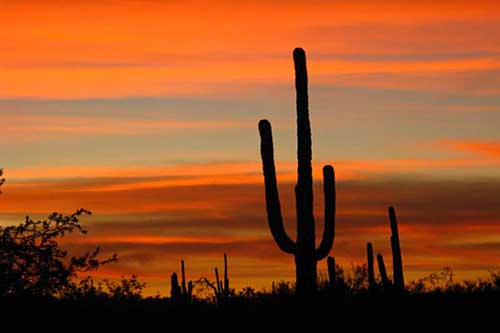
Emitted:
<point x="146" y="112"/>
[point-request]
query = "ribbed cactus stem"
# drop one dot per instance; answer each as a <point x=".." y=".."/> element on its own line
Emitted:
<point x="371" y="271"/>
<point x="383" y="272"/>
<point x="304" y="249"/>
<point x="331" y="271"/>
<point x="397" y="262"/>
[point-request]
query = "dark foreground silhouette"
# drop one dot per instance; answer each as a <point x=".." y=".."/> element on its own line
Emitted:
<point x="36" y="274"/>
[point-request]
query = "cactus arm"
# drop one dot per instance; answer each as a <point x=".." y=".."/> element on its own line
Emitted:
<point x="217" y="281"/>
<point x="212" y="286"/>
<point x="273" y="206"/>
<point x="383" y="272"/>
<point x="330" y="206"/>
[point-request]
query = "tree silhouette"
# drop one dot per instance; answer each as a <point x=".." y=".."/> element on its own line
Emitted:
<point x="32" y="262"/>
<point x="2" y="180"/>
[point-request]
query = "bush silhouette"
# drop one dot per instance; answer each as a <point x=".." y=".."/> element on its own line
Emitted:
<point x="2" y="180"/>
<point x="32" y="262"/>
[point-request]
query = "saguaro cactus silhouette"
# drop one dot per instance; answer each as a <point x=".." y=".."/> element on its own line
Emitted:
<point x="371" y="270"/>
<point x="221" y="288"/>
<point x="181" y="293"/>
<point x="383" y="272"/>
<point x="397" y="262"/>
<point x="332" y="276"/>
<point x="304" y="249"/>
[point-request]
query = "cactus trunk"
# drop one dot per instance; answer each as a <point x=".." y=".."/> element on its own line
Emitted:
<point x="305" y="261"/>
<point x="304" y="249"/>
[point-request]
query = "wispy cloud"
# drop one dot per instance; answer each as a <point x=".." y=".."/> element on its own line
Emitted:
<point x="489" y="149"/>
<point x="31" y="127"/>
<point x="141" y="54"/>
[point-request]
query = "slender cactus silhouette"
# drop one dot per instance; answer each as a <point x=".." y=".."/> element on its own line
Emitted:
<point x="304" y="249"/>
<point x="184" y="292"/>
<point x="383" y="272"/>
<point x="175" y="289"/>
<point x="397" y="262"/>
<point x="332" y="276"/>
<point x="371" y="271"/>
<point x="221" y="288"/>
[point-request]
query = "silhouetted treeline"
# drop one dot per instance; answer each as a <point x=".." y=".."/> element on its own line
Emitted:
<point x="434" y="290"/>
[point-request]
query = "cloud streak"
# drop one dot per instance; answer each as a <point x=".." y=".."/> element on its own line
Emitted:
<point x="141" y="54"/>
<point x="488" y="149"/>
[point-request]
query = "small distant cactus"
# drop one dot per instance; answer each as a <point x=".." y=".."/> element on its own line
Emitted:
<point x="383" y="273"/>
<point x="397" y="261"/>
<point x="371" y="271"/>
<point x="304" y="249"/>
<point x="181" y="293"/>
<point x="332" y="276"/>
<point x="221" y="288"/>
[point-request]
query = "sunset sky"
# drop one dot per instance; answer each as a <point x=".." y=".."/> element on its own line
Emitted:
<point x="145" y="112"/>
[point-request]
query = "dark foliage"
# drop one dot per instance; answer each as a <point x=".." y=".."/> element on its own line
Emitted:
<point x="2" y="180"/>
<point x="33" y="264"/>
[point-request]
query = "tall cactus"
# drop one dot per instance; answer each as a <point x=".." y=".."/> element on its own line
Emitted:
<point x="304" y="249"/>
<point x="397" y="262"/>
